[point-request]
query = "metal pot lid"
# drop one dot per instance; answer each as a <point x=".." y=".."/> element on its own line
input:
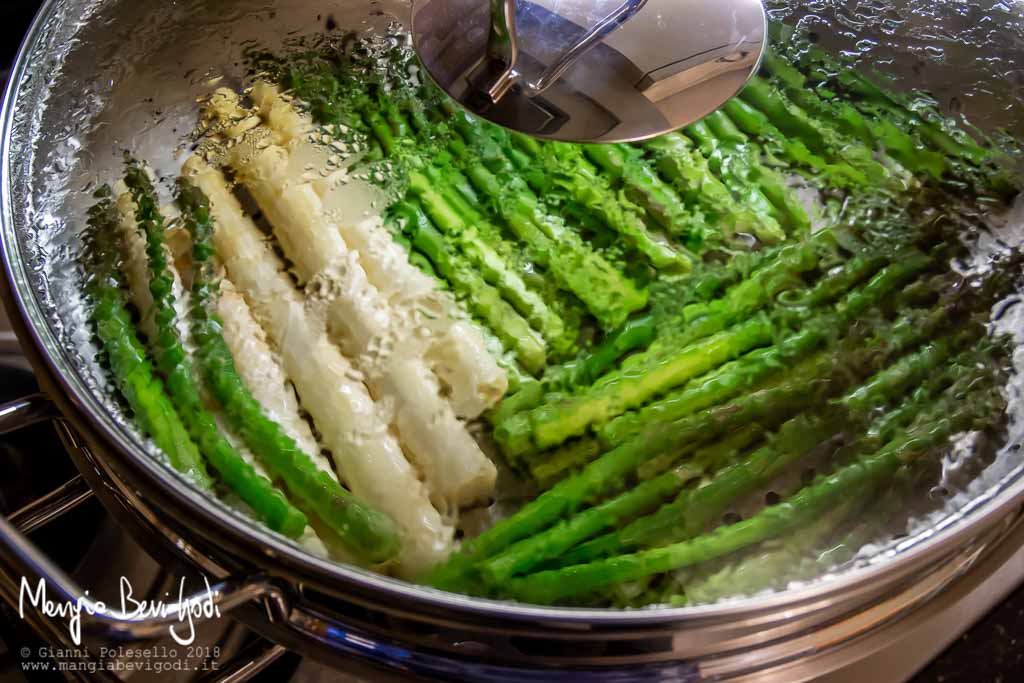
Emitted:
<point x="590" y="71"/>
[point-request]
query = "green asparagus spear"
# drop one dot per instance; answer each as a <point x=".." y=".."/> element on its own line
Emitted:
<point x="773" y="566"/>
<point x="490" y="265"/>
<point x="892" y="105"/>
<point x="636" y="384"/>
<point x="755" y="366"/>
<point x="559" y="331"/>
<point x="872" y="131"/>
<point x="730" y="167"/>
<point x="643" y="185"/>
<point x="808" y="504"/>
<point x="606" y="472"/>
<point x="615" y="393"/>
<point x="484" y="300"/>
<point x="709" y="280"/>
<point x="680" y="163"/>
<point x="371" y="536"/>
<point x="556" y="464"/>
<point x="133" y="373"/>
<point x="819" y="137"/>
<point x="633" y="335"/>
<point x="562" y="169"/>
<point x="757" y="291"/>
<point x="606" y="292"/>
<point x="609" y="472"/>
<point x="757" y="124"/>
<point x="256" y="491"/>
<point x="744" y="161"/>
<point x="793" y="440"/>
<point x="528" y="553"/>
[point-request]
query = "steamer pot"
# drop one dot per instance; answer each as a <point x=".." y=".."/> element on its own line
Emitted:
<point x="97" y="76"/>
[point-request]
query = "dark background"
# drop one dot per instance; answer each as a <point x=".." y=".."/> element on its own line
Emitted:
<point x="992" y="651"/>
<point x="15" y="16"/>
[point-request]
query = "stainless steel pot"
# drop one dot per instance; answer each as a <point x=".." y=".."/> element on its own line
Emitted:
<point x="96" y="76"/>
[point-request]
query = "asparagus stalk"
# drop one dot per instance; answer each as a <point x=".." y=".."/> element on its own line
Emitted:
<point x="724" y="384"/>
<point x="606" y="292"/>
<point x="859" y="404"/>
<point x="555" y="465"/>
<point x="368" y="534"/>
<point x="609" y="473"/>
<point x="567" y="172"/>
<point x="804" y="555"/>
<point x="872" y="131"/>
<point x="819" y="136"/>
<point x="808" y="504"/>
<point x="898" y="107"/>
<point x="269" y="504"/>
<point x="491" y="266"/>
<point x="759" y="286"/>
<point x="689" y="514"/>
<point x="759" y="364"/>
<point x="133" y="373"/>
<point x="757" y="124"/>
<point x="633" y="335"/>
<point x="360" y="317"/>
<point x="559" y="329"/>
<point x="773" y="565"/>
<point x="680" y="162"/>
<point x="615" y="393"/>
<point x="709" y="280"/>
<point x="531" y="552"/>
<point x="366" y="452"/>
<point x="744" y="161"/>
<point x="441" y="193"/>
<point x="643" y="185"/>
<point x="653" y="375"/>
<point x="727" y="164"/>
<point x="484" y="300"/>
<point x="472" y="378"/>
<point x="756" y="291"/>
<point x="606" y="473"/>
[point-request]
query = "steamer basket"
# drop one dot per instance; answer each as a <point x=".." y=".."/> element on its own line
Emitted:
<point x="98" y="76"/>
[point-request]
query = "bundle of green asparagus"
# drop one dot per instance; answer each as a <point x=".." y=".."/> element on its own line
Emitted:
<point x="651" y="334"/>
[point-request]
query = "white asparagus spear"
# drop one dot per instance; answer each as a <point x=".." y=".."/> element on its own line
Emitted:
<point x="461" y="356"/>
<point x="385" y="340"/>
<point x="367" y="455"/>
<point x="262" y="373"/>
<point x="136" y="266"/>
<point x="373" y="333"/>
<point x="475" y="381"/>
<point x="136" y="263"/>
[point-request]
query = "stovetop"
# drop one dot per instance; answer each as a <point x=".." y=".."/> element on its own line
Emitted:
<point x="88" y="544"/>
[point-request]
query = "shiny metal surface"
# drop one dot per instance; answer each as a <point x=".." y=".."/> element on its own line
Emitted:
<point x="25" y="412"/>
<point x="82" y="91"/>
<point x="590" y="70"/>
<point x="803" y="643"/>
<point x="42" y="511"/>
<point x="21" y="559"/>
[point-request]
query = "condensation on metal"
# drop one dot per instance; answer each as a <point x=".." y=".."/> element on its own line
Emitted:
<point x="127" y="75"/>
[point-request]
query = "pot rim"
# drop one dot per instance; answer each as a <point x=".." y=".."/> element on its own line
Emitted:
<point x="35" y="330"/>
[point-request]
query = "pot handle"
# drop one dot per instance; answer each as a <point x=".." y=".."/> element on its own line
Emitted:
<point x="32" y="577"/>
<point x="25" y="412"/>
<point x="20" y="558"/>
